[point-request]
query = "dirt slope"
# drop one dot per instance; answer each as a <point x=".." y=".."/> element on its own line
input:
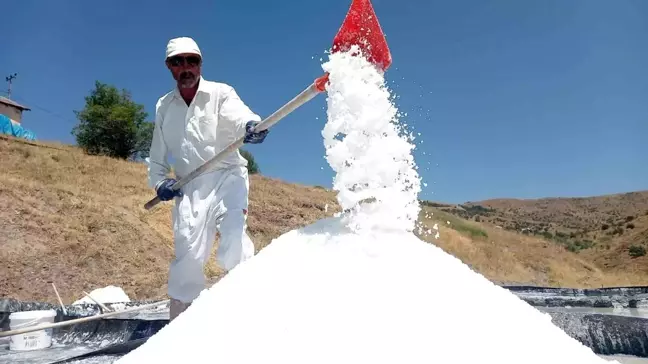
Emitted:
<point x="507" y="257"/>
<point x="569" y="214"/>
<point x="609" y="231"/>
<point x="622" y="252"/>
<point x="78" y="220"/>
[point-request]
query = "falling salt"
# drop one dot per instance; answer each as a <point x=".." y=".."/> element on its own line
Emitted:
<point x="347" y="290"/>
<point x="366" y="149"/>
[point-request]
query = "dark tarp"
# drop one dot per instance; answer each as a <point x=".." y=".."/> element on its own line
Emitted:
<point x="116" y="336"/>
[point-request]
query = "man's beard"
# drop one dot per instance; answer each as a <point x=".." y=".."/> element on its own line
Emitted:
<point x="187" y="79"/>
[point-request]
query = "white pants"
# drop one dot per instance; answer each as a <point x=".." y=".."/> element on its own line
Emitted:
<point x="214" y="200"/>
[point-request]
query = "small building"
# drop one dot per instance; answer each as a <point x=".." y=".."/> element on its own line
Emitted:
<point x="12" y="109"/>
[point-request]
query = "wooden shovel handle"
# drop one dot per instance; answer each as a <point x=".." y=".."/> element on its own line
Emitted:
<point x="318" y="86"/>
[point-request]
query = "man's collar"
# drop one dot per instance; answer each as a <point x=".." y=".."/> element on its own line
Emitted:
<point x="201" y="88"/>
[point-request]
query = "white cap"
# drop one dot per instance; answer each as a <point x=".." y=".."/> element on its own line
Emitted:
<point x="182" y="45"/>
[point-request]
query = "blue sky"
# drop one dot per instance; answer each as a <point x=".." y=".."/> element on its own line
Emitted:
<point x="512" y="98"/>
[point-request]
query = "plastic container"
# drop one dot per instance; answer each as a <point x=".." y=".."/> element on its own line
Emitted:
<point x="34" y="340"/>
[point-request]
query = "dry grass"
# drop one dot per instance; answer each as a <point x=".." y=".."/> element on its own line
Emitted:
<point x="508" y="257"/>
<point x="78" y="220"/>
<point x="582" y="214"/>
<point x="512" y="258"/>
<point x="601" y="229"/>
<point x="613" y="255"/>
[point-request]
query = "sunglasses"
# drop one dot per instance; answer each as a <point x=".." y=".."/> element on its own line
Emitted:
<point x="176" y="61"/>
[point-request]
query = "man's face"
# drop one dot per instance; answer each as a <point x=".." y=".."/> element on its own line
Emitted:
<point x="185" y="69"/>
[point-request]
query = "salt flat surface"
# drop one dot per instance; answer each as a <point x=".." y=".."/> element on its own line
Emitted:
<point x="360" y="287"/>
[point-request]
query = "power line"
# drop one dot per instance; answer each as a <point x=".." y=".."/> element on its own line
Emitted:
<point x="35" y="106"/>
<point x="10" y="79"/>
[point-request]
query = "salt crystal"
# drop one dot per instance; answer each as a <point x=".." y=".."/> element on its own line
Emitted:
<point x="366" y="149"/>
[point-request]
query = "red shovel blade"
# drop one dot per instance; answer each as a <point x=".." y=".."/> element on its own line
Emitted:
<point x="361" y="27"/>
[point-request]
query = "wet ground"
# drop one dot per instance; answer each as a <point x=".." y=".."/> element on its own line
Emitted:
<point x="111" y="359"/>
<point x="625" y="359"/>
<point x="630" y="312"/>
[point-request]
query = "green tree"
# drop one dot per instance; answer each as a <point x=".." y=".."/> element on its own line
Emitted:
<point x="253" y="167"/>
<point x="112" y="124"/>
<point x="144" y="139"/>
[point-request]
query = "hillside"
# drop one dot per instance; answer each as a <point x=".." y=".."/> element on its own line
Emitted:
<point x="508" y="257"/>
<point x="78" y="220"/>
<point x="569" y="215"/>
<point x="610" y="231"/>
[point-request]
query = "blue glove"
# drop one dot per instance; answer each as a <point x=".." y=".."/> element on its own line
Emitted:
<point x="251" y="137"/>
<point x="164" y="191"/>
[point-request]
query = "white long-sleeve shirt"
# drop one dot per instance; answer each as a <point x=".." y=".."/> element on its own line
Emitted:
<point x="193" y="134"/>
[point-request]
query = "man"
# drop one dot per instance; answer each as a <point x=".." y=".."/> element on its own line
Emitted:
<point x="194" y="122"/>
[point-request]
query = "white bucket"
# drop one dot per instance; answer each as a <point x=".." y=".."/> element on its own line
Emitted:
<point x="34" y="340"/>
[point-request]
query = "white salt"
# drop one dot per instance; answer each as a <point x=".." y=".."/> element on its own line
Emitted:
<point x="108" y="294"/>
<point x="324" y="294"/>
<point x="360" y="287"/>
<point x="366" y="148"/>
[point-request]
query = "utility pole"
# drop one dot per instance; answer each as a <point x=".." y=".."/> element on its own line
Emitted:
<point x="9" y="79"/>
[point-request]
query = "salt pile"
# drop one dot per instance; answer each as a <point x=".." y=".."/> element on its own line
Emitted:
<point x="360" y="287"/>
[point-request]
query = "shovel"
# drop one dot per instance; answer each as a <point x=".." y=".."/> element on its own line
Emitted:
<point x="361" y="28"/>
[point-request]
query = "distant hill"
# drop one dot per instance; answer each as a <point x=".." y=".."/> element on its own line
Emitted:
<point x="610" y="230"/>
<point x="572" y="214"/>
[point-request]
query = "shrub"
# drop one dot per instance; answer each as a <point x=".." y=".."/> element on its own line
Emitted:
<point x="577" y="246"/>
<point x="253" y="167"/>
<point x="636" y="251"/>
